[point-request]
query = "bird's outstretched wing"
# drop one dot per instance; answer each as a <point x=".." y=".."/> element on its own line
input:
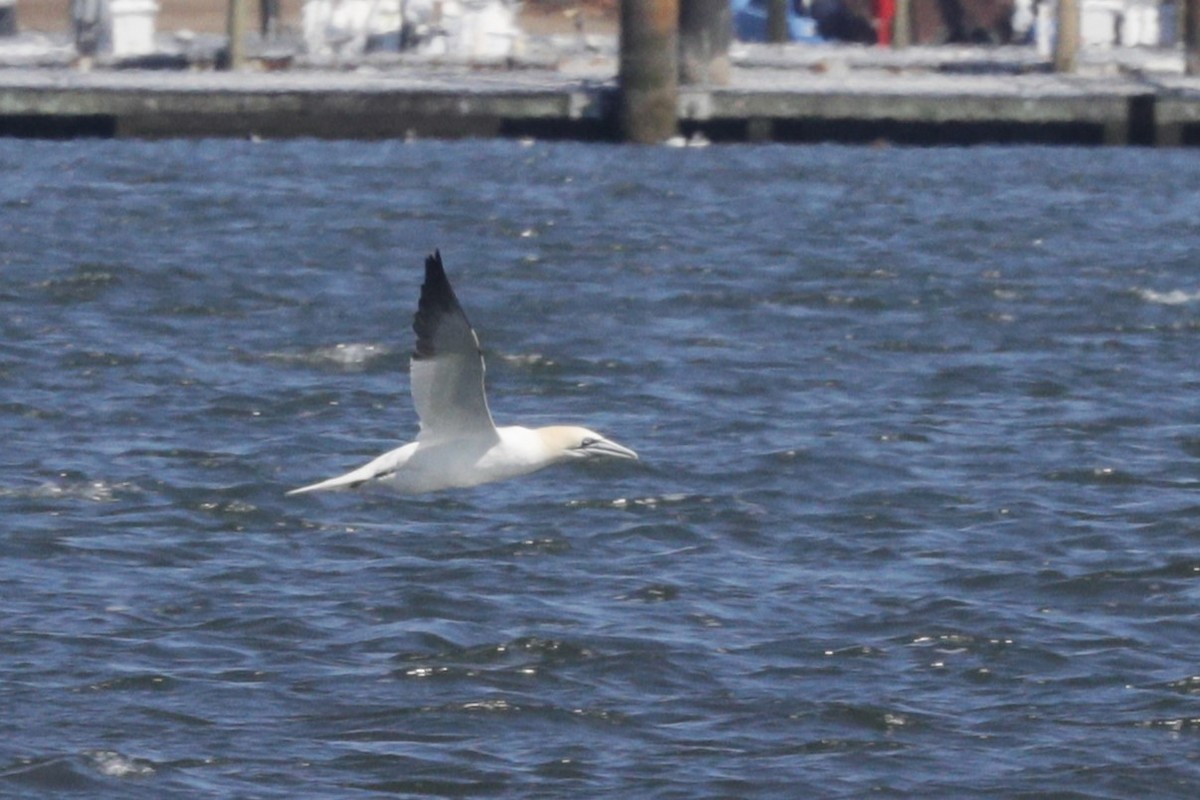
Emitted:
<point x="446" y="371"/>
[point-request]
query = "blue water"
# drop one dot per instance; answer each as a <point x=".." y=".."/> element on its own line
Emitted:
<point x="918" y="512"/>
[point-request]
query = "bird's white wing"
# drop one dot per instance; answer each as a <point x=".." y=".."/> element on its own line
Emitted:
<point x="446" y="371"/>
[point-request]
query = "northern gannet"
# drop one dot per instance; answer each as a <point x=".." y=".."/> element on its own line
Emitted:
<point x="458" y="444"/>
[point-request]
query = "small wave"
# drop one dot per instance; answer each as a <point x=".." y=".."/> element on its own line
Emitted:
<point x="116" y="765"/>
<point x="526" y="656"/>
<point x="351" y="354"/>
<point x="639" y="502"/>
<point x="78" y="772"/>
<point x="1176" y="724"/>
<point x="528" y="360"/>
<point x="70" y="489"/>
<point x="346" y="355"/>
<point x="1107" y="476"/>
<point x="654" y="593"/>
<point x="85" y="282"/>
<point x="1189" y="685"/>
<point x="1175" y="297"/>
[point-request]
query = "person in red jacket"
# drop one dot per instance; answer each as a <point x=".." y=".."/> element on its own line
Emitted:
<point x="885" y="17"/>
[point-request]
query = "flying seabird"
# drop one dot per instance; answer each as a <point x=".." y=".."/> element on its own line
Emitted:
<point x="458" y="444"/>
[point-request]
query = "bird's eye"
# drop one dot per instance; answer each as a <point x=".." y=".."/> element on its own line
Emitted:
<point x="588" y="442"/>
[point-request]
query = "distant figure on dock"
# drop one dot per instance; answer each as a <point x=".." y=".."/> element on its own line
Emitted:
<point x="838" y="22"/>
<point x="464" y="29"/>
<point x="89" y="25"/>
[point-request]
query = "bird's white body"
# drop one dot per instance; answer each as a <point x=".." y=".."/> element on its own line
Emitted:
<point x="459" y="445"/>
<point x="418" y="467"/>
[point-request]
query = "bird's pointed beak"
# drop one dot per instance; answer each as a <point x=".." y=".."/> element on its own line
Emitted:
<point x="604" y="447"/>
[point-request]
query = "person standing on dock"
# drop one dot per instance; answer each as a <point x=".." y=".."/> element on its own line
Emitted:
<point x="268" y="19"/>
<point x="88" y="24"/>
<point x="885" y="16"/>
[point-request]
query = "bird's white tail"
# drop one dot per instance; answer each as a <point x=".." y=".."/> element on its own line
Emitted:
<point x="347" y="481"/>
<point x="384" y="465"/>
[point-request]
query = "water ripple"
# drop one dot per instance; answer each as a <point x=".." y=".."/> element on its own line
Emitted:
<point x="915" y="513"/>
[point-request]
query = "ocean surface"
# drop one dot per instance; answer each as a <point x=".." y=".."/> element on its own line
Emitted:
<point x="918" y="511"/>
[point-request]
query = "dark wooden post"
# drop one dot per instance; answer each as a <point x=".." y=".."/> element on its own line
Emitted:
<point x="777" y="26"/>
<point x="236" y="28"/>
<point x="705" y="31"/>
<point x="1191" y="36"/>
<point x="649" y="70"/>
<point x="8" y="18"/>
<point x="1066" y="47"/>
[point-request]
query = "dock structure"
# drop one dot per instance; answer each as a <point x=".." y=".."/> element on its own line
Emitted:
<point x="330" y="105"/>
<point x="857" y="95"/>
<point x="938" y="109"/>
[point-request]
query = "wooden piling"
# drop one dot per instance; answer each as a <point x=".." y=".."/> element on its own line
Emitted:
<point x="236" y="29"/>
<point x="777" y="26"/>
<point x="705" y="32"/>
<point x="649" y="70"/>
<point x="1191" y="36"/>
<point x="1066" y="45"/>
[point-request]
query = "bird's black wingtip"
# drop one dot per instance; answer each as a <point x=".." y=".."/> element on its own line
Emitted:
<point x="433" y="262"/>
<point x="437" y="299"/>
<point x="437" y="285"/>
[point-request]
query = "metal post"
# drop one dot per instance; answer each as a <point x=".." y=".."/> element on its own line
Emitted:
<point x="236" y="27"/>
<point x="777" y="24"/>
<point x="1066" y="47"/>
<point x="649" y="70"/>
<point x="705" y="31"/>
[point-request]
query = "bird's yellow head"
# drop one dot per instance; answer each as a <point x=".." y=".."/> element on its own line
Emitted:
<point x="568" y="442"/>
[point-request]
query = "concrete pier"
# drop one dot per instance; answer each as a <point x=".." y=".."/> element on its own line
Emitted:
<point x="927" y="96"/>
